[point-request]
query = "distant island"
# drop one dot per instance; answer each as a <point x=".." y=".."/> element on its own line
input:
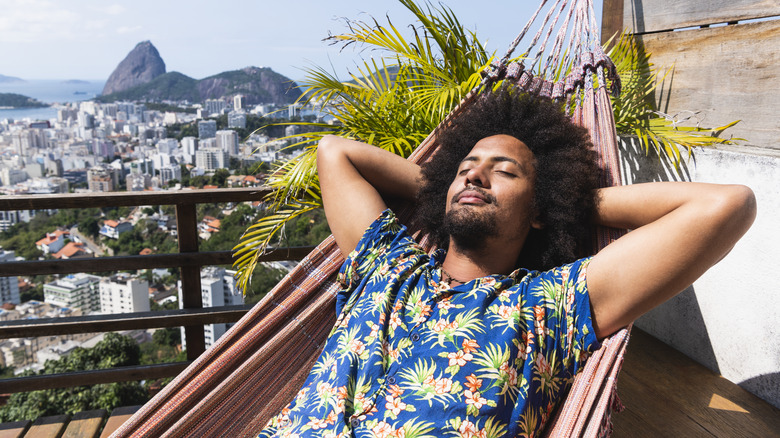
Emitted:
<point x="12" y="100"/>
<point x="4" y="78"/>
<point x="75" y="82"/>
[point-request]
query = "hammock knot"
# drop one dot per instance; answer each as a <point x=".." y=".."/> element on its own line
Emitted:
<point x="514" y="70"/>
<point x="495" y="70"/>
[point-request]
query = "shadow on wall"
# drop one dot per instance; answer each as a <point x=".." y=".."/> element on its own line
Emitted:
<point x="764" y="386"/>
<point x="679" y="321"/>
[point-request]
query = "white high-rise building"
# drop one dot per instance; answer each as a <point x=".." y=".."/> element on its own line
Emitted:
<point x="227" y="140"/>
<point x="122" y="293"/>
<point x="167" y="145"/>
<point x="9" y="286"/>
<point x="218" y="288"/>
<point x="170" y="172"/>
<point x="238" y="101"/>
<point x="78" y="291"/>
<point x="210" y="159"/>
<point x="214" y="106"/>
<point x="237" y="119"/>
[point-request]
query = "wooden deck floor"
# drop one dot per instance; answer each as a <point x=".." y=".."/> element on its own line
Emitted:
<point x="666" y="394"/>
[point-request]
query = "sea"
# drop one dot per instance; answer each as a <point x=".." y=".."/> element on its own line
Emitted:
<point x="53" y="91"/>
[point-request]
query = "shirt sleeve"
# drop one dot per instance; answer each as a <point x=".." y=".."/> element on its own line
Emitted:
<point x="384" y="240"/>
<point x="569" y="325"/>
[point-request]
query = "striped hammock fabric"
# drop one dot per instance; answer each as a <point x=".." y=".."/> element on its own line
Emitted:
<point x="259" y="365"/>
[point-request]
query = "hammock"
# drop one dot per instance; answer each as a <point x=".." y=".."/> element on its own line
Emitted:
<point x="258" y="366"/>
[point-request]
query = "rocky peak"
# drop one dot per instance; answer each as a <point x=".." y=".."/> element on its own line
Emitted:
<point x="140" y="66"/>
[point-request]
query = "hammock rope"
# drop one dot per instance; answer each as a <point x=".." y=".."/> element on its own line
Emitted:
<point x="257" y="367"/>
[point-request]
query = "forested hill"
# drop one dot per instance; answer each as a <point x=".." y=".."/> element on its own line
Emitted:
<point x="258" y="85"/>
<point x="12" y="100"/>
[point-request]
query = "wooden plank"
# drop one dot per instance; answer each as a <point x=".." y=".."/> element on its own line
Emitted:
<point x="92" y="377"/>
<point x="23" y="328"/>
<point x="668" y="393"/>
<point x="125" y="199"/>
<point x="190" y="278"/>
<point x="105" y="264"/>
<point x="642" y="16"/>
<point x="15" y="429"/>
<point x="724" y="73"/>
<point x="48" y="427"/>
<point x="117" y="418"/>
<point x="85" y="424"/>
<point x="611" y="19"/>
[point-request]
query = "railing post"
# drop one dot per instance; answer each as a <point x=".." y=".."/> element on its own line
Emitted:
<point x="190" y="277"/>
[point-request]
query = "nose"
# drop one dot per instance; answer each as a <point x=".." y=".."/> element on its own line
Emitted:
<point x="477" y="176"/>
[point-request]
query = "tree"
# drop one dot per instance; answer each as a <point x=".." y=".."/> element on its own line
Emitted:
<point x="220" y="177"/>
<point x="169" y="336"/>
<point x="90" y="227"/>
<point x="113" y="351"/>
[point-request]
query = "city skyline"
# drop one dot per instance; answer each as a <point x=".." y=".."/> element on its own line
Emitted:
<point x="86" y="39"/>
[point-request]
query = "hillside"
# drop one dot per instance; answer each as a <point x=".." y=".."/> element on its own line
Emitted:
<point x="9" y="79"/>
<point x="258" y="85"/>
<point x="12" y="100"/>
<point x="169" y="86"/>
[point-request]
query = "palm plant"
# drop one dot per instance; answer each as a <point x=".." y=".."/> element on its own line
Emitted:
<point x="635" y="110"/>
<point x="394" y="103"/>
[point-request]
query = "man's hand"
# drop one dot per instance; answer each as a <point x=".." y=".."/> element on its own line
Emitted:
<point x="679" y="231"/>
<point x="354" y="179"/>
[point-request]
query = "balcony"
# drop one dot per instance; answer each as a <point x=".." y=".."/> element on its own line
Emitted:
<point x="189" y="260"/>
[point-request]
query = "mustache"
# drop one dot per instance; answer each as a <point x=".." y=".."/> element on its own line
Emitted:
<point x="488" y="197"/>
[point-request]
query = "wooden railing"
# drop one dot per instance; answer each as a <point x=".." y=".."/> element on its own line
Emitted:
<point x="189" y="260"/>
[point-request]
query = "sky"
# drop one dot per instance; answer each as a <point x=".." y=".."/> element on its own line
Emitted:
<point x="86" y="39"/>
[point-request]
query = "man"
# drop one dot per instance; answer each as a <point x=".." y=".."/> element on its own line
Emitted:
<point x="470" y="341"/>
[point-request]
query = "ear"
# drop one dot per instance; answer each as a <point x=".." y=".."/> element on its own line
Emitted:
<point x="536" y="223"/>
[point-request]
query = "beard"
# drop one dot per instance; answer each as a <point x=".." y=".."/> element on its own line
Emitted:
<point x="468" y="228"/>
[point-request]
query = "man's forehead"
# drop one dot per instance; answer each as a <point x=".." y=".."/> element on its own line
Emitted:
<point x="500" y="147"/>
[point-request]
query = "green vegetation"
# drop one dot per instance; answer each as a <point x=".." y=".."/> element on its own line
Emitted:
<point x="165" y="107"/>
<point x="113" y="351"/>
<point x="262" y="84"/>
<point x="169" y="86"/>
<point x="14" y="100"/>
<point x="21" y="237"/>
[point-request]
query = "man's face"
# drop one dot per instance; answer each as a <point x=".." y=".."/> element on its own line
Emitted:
<point x="492" y="194"/>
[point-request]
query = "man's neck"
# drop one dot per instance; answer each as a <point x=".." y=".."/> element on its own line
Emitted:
<point x="468" y="264"/>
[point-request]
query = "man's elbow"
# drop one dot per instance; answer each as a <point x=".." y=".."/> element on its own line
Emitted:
<point x="737" y="204"/>
<point x="745" y="204"/>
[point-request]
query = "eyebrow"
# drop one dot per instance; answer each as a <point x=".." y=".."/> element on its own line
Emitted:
<point x="499" y="159"/>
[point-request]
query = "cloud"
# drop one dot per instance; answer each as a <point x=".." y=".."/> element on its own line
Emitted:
<point x="128" y="29"/>
<point x="114" y="9"/>
<point x="36" y="21"/>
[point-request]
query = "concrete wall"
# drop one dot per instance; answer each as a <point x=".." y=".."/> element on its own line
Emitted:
<point x="728" y="320"/>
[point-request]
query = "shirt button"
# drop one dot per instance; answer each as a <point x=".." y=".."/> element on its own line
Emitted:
<point x="355" y="422"/>
<point x="391" y="380"/>
<point x="415" y="337"/>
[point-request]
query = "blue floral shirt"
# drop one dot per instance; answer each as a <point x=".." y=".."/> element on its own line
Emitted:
<point x="411" y="357"/>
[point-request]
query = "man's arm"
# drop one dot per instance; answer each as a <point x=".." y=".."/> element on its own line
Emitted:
<point x="679" y="231"/>
<point x="354" y="178"/>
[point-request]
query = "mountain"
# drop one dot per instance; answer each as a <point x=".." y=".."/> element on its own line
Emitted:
<point x="139" y="67"/>
<point x="168" y="86"/>
<point x="4" y="78"/>
<point x="12" y="100"/>
<point x="258" y="85"/>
